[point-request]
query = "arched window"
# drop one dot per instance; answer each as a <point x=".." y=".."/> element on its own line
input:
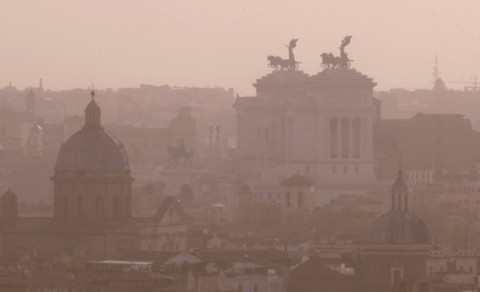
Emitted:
<point x="345" y="138"/>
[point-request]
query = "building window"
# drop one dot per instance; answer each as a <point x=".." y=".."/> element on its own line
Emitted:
<point x="300" y="200"/>
<point x="396" y="276"/>
<point x="333" y="137"/>
<point x="345" y="138"/>
<point x="356" y="137"/>
<point x="287" y="198"/>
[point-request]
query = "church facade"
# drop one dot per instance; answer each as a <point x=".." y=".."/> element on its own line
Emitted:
<point x="320" y="126"/>
<point x="92" y="205"/>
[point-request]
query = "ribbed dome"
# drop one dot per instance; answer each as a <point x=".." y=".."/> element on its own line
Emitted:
<point x="399" y="227"/>
<point x="92" y="150"/>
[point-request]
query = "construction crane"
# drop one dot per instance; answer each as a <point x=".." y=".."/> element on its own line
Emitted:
<point x="473" y="85"/>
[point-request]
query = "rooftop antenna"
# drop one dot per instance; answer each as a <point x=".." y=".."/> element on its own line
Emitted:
<point x="436" y="72"/>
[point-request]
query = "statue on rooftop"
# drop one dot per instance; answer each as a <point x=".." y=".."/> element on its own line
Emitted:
<point x="329" y="61"/>
<point x="279" y="64"/>
<point x="181" y="152"/>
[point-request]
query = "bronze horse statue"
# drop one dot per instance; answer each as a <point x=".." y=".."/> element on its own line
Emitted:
<point x="181" y="153"/>
<point x="279" y="64"/>
<point x="329" y="61"/>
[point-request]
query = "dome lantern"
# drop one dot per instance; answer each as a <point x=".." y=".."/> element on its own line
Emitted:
<point x="400" y="194"/>
<point x="93" y="113"/>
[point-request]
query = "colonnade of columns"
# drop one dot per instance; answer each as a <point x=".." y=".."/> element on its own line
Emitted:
<point x="345" y="137"/>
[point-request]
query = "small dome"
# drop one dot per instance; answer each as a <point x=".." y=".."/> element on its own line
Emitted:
<point x="399" y="227"/>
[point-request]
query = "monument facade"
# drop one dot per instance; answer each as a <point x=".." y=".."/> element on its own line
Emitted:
<point x="320" y="126"/>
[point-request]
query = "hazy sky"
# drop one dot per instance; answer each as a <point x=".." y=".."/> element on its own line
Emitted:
<point x="123" y="43"/>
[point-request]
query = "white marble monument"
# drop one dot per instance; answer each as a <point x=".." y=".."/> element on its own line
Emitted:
<point x="320" y="126"/>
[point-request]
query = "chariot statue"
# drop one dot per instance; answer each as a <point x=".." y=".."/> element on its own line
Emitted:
<point x="329" y="61"/>
<point x="279" y="64"/>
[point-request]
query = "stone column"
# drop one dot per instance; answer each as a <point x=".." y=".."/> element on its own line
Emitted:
<point x="339" y="137"/>
<point x="326" y="135"/>
<point x="352" y="143"/>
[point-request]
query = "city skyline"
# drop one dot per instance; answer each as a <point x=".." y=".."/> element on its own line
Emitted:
<point x="224" y="43"/>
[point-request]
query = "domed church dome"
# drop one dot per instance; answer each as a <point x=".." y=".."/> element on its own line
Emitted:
<point x="399" y="226"/>
<point x="92" y="149"/>
<point x="92" y="176"/>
